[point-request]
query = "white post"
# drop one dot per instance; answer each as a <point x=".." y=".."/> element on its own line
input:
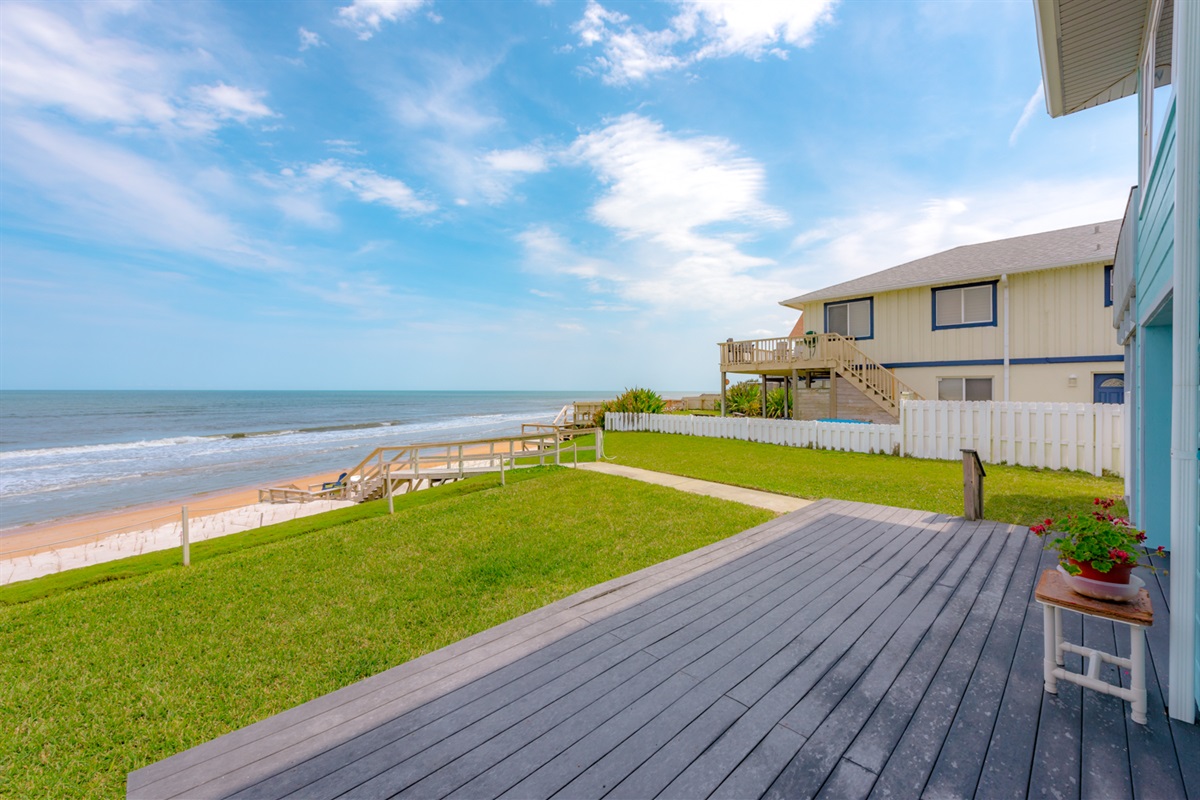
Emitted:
<point x="387" y="482"/>
<point x="502" y="469"/>
<point x="187" y="549"/>
<point x="1049" y="650"/>
<point x="1137" y="672"/>
<point x="599" y="443"/>
<point x="1185" y="507"/>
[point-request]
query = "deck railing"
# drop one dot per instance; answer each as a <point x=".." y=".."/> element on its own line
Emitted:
<point x="816" y="351"/>
<point x="1123" y="283"/>
<point x="452" y="460"/>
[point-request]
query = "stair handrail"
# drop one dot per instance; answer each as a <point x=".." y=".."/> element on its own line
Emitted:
<point x="879" y="378"/>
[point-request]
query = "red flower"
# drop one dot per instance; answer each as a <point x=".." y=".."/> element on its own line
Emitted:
<point x="1161" y="551"/>
<point x="1118" y="555"/>
<point x="1096" y="502"/>
<point x="1141" y="536"/>
<point x="1048" y="522"/>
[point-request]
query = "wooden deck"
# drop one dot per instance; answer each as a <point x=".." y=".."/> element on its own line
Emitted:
<point x="844" y="650"/>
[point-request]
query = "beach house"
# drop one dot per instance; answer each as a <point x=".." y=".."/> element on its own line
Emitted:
<point x="1091" y="54"/>
<point x="1026" y="318"/>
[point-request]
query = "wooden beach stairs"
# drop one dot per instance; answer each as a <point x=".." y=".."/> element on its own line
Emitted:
<point x="408" y="468"/>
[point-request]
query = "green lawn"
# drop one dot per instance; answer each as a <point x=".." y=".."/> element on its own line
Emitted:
<point x="1011" y="494"/>
<point x="104" y="678"/>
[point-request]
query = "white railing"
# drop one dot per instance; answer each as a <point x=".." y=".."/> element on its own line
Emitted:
<point x="1075" y="436"/>
<point x="847" y="436"/>
<point x="1078" y="436"/>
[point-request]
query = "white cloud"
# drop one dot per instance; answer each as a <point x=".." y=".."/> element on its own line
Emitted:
<point x="1031" y="107"/>
<point x="230" y="102"/>
<point x="48" y="63"/>
<point x="666" y="188"/>
<point x="369" y="186"/>
<point x="309" y="39"/>
<point x="366" y="17"/>
<point x="901" y="229"/>
<point x="345" y="146"/>
<point x="114" y="195"/>
<point x="519" y="160"/>
<point x="701" y="30"/>
<point x="663" y="197"/>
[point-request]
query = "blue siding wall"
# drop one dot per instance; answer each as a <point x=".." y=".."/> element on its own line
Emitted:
<point x="1155" y="503"/>
<point x="1156" y="226"/>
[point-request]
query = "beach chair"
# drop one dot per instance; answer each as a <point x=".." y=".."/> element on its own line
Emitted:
<point x="339" y="483"/>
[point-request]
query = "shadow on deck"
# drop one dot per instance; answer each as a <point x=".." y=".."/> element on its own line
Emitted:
<point x="844" y="650"/>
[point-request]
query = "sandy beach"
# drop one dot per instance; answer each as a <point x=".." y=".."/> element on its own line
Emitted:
<point x="32" y="539"/>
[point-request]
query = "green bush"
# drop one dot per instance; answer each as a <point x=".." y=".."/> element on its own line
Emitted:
<point x="744" y="398"/>
<point x="779" y="404"/>
<point x="632" y="401"/>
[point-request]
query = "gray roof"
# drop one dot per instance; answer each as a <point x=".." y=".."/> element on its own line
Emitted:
<point x="1085" y="244"/>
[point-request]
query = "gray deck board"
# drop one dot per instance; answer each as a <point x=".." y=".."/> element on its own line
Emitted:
<point x="842" y="651"/>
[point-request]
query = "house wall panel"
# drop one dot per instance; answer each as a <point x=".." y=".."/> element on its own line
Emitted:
<point x="1053" y="313"/>
<point x="1060" y="313"/>
<point x="1040" y="383"/>
<point x="1156" y="228"/>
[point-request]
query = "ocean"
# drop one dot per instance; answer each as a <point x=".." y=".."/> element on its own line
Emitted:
<point x="65" y="453"/>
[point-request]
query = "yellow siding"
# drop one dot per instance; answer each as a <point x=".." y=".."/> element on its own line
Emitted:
<point x="1054" y="313"/>
<point x="1042" y="383"/>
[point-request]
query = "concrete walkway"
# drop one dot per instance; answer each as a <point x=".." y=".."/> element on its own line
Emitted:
<point x="779" y="503"/>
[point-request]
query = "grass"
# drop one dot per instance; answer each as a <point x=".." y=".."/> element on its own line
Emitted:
<point x="148" y="659"/>
<point x="1020" y="495"/>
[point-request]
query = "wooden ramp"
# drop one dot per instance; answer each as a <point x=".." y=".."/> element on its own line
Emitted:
<point x="844" y="650"/>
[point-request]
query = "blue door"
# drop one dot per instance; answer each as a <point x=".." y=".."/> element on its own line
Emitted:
<point x="1108" y="388"/>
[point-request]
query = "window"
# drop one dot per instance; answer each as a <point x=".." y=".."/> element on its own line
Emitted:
<point x="964" y="389"/>
<point x="964" y="306"/>
<point x="1108" y="275"/>
<point x="851" y="318"/>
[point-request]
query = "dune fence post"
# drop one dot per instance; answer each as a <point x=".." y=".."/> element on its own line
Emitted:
<point x="599" y="443"/>
<point x="183" y="536"/>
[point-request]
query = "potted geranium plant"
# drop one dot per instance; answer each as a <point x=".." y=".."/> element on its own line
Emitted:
<point x="1100" y="546"/>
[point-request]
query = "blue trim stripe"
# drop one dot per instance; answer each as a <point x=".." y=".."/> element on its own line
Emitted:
<point x="997" y="362"/>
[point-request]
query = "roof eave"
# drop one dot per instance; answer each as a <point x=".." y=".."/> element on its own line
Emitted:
<point x="1046" y="15"/>
<point x="799" y="302"/>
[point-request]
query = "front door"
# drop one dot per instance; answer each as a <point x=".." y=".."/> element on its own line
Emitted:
<point x="1108" y="387"/>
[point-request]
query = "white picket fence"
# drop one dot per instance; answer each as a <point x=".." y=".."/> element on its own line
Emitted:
<point x="1076" y="436"/>
<point x="848" y="436"/>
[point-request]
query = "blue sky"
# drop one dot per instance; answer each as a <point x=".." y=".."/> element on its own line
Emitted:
<point x="396" y="194"/>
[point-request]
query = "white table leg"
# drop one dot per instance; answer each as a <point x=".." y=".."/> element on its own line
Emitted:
<point x="1058" y="637"/>
<point x="1137" y="672"/>
<point x="1049" y="647"/>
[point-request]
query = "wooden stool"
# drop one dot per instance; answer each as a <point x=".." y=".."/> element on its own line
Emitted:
<point x="1053" y="594"/>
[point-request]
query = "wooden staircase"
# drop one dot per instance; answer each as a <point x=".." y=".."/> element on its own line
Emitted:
<point x="862" y="372"/>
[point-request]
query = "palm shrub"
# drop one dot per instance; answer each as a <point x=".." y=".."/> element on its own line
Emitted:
<point x="632" y="401"/>
<point x="779" y="405"/>
<point x="743" y="398"/>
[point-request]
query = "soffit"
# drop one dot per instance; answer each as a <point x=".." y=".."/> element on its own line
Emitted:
<point x="1091" y="50"/>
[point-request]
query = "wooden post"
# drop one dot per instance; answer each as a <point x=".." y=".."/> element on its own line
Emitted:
<point x="723" y="381"/>
<point x="599" y="443"/>
<point x="387" y="482"/>
<point x="973" y="476"/>
<point x="763" y="394"/>
<point x="187" y="545"/>
<point x="833" y="409"/>
<point x="795" y="390"/>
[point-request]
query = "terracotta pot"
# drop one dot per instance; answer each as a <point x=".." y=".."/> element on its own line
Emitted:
<point x="1118" y="574"/>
